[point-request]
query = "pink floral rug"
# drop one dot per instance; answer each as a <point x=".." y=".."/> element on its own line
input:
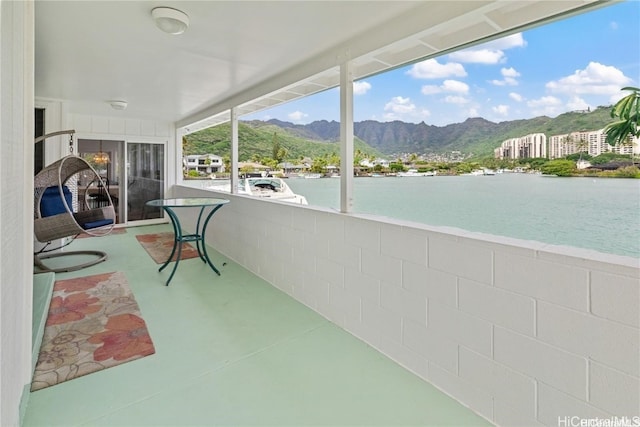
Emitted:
<point x="94" y="323"/>
<point x="159" y="245"/>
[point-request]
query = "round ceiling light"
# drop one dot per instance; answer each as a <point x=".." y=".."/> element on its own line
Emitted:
<point x="118" y="105"/>
<point x="169" y="20"/>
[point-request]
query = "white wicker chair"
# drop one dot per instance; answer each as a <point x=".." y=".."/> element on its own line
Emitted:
<point x="58" y="214"/>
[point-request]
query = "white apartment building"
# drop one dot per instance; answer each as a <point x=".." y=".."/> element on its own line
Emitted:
<point x="525" y="147"/>
<point x="593" y="142"/>
<point x="203" y="163"/>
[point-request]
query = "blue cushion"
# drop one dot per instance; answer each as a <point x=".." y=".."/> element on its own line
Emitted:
<point x="95" y="224"/>
<point x="51" y="202"/>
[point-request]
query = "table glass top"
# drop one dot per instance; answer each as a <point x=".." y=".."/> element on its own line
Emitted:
<point x="187" y="202"/>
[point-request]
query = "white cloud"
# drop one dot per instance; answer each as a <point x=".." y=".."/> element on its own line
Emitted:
<point x="491" y="52"/>
<point x="547" y="105"/>
<point x="361" y="87"/>
<point x="618" y="96"/>
<point x="544" y="101"/>
<point x="431" y="89"/>
<point x="432" y="69"/>
<point x="577" y="103"/>
<point x="509" y="77"/>
<point x="297" y="116"/>
<point x="400" y="105"/>
<point x="502" y="110"/>
<point x="509" y="72"/>
<point x="479" y="56"/>
<point x="456" y="100"/>
<point x="595" y="79"/>
<point x="400" y="108"/>
<point x="454" y="86"/>
<point x="516" y="97"/>
<point x="508" y="42"/>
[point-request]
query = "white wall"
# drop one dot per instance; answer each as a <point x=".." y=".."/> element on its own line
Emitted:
<point x="16" y="218"/>
<point x="521" y="332"/>
<point x="134" y="130"/>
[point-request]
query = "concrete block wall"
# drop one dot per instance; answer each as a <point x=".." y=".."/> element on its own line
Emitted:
<point x="521" y="332"/>
<point x="119" y="126"/>
<point x="16" y="192"/>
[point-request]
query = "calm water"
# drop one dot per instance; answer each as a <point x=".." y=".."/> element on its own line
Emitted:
<point x="600" y="214"/>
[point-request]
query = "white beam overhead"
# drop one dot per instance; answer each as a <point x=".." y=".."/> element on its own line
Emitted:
<point x="237" y="52"/>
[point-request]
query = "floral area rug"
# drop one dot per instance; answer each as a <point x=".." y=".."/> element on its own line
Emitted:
<point x="159" y="245"/>
<point x="94" y="323"/>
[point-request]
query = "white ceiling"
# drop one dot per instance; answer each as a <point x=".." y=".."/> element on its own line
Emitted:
<point x="248" y="54"/>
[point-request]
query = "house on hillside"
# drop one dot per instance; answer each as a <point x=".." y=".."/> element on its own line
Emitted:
<point x="203" y="163"/>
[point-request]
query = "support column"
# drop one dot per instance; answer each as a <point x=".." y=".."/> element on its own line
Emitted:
<point x="234" y="151"/>
<point x="346" y="137"/>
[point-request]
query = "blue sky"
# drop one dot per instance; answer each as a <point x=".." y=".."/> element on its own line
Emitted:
<point x="574" y="64"/>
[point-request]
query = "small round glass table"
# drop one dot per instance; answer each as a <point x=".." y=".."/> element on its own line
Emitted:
<point x="210" y="204"/>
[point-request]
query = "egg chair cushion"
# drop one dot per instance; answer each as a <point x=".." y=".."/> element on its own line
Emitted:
<point x="51" y="202"/>
<point x="95" y="224"/>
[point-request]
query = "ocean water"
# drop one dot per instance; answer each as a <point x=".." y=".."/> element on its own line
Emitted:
<point x="601" y="214"/>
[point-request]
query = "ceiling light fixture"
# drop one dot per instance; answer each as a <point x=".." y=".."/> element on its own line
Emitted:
<point x="118" y="105"/>
<point x="101" y="157"/>
<point x="169" y="20"/>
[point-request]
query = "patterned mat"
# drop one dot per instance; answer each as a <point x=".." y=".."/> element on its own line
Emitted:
<point x="94" y="323"/>
<point x="158" y="246"/>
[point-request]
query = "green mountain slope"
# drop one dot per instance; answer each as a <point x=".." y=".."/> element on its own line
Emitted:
<point x="257" y="139"/>
<point x="475" y="136"/>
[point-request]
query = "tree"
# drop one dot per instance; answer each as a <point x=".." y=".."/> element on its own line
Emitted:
<point x="606" y="158"/>
<point x="627" y="111"/>
<point x="319" y="165"/>
<point x="578" y="156"/>
<point x="333" y="159"/>
<point x="582" y="147"/>
<point x="396" y="167"/>
<point x="226" y="161"/>
<point x="560" y="167"/>
<point x="277" y="151"/>
<point x="572" y="141"/>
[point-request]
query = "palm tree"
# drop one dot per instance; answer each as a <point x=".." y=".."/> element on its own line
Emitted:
<point x="627" y="111"/>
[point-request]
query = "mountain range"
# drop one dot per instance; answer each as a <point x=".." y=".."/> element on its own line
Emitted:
<point x="476" y="137"/>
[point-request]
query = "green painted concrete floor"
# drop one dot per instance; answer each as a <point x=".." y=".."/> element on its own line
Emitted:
<point x="232" y="350"/>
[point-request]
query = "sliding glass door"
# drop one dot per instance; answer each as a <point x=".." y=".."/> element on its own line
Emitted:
<point x="145" y="179"/>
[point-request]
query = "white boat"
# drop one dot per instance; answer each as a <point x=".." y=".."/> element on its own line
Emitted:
<point x="265" y="187"/>
<point x="312" y="175"/>
<point x="480" y="172"/>
<point x="414" y="172"/>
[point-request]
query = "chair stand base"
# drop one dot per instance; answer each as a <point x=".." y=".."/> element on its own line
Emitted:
<point x="41" y="268"/>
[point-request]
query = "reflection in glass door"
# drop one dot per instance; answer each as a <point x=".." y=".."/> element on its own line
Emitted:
<point x="145" y="179"/>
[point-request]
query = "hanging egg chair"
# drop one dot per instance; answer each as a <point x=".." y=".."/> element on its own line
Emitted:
<point x="59" y="213"/>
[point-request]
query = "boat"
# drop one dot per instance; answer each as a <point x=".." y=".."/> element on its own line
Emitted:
<point x="414" y="172"/>
<point x="265" y="187"/>
<point x="480" y="172"/>
<point x="489" y="171"/>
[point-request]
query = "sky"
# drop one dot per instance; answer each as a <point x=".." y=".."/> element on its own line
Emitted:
<point x="578" y="63"/>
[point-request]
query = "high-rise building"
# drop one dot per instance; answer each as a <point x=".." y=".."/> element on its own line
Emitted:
<point x="525" y="147"/>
